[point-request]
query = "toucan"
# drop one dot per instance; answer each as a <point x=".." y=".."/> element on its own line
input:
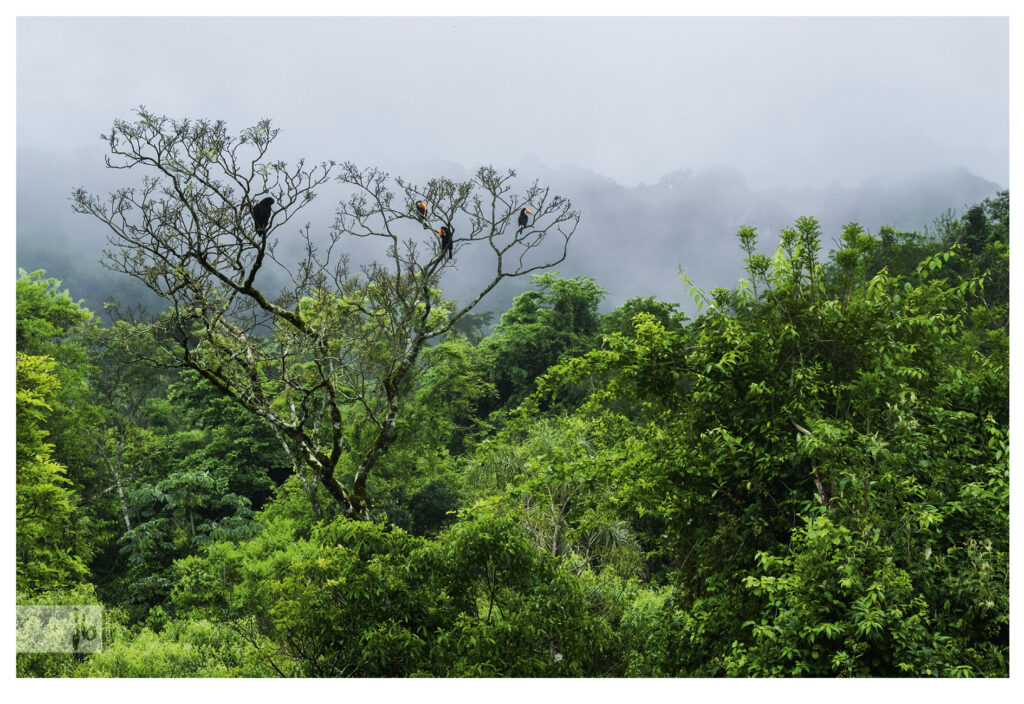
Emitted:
<point x="446" y="233"/>
<point x="261" y="215"/>
<point x="524" y="220"/>
<point x="421" y="209"/>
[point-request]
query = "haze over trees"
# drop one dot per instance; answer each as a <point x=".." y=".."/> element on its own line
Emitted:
<point x="682" y="217"/>
<point x="351" y="474"/>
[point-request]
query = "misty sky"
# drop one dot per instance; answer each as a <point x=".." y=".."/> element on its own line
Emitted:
<point x="785" y="101"/>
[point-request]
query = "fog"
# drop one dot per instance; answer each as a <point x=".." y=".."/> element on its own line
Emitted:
<point x="666" y="133"/>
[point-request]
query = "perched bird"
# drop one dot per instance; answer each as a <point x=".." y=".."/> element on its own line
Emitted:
<point x="446" y="233"/>
<point x="421" y="209"/>
<point x="524" y="219"/>
<point x="261" y="215"/>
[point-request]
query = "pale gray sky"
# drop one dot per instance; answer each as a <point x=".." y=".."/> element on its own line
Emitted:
<point x="786" y="101"/>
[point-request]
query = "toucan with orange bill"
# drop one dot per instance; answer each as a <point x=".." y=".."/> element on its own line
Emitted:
<point x="421" y="209"/>
<point x="446" y="233"/>
<point x="524" y="219"/>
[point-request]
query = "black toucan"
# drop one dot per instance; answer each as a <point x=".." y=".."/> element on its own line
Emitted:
<point x="261" y="215"/>
<point x="524" y="219"/>
<point x="421" y="209"/>
<point x="446" y="233"/>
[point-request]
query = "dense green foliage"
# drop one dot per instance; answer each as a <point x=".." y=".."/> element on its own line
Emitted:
<point x="47" y="556"/>
<point x="811" y="478"/>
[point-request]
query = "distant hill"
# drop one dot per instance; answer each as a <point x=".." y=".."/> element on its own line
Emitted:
<point x="631" y="240"/>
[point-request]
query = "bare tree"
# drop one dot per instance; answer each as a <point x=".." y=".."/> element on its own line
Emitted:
<point x="333" y="348"/>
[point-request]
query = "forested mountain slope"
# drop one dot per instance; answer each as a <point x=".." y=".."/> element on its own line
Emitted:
<point x="808" y="477"/>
